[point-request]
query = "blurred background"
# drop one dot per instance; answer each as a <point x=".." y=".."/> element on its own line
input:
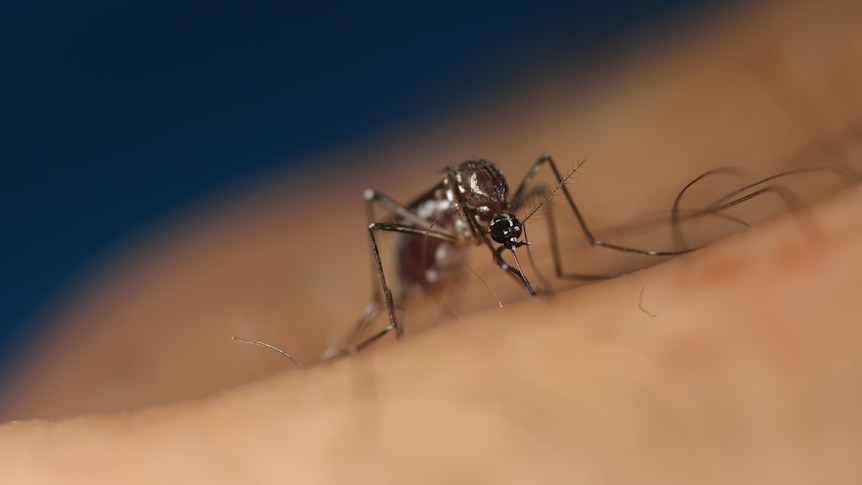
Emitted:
<point x="119" y="116"/>
<point x="166" y="165"/>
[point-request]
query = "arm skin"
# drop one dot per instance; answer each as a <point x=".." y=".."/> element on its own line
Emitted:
<point x="737" y="363"/>
<point x="749" y="371"/>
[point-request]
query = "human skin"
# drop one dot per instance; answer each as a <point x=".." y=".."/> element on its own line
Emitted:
<point x="742" y="365"/>
<point x="734" y="363"/>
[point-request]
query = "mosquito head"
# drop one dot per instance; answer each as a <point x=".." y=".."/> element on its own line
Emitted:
<point x="506" y="229"/>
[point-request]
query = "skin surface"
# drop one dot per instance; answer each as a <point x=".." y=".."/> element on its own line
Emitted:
<point x="736" y="363"/>
<point x="732" y="380"/>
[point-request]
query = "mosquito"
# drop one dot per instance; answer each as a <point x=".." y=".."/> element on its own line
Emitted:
<point x="472" y="206"/>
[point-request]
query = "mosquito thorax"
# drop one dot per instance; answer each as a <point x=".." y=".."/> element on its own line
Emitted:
<point x="480" y="189"/>
<point x="506" y="229"/>
<point x="481" y="185"/>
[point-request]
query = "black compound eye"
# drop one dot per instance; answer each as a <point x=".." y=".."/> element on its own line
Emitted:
<point x="506" y="229"/>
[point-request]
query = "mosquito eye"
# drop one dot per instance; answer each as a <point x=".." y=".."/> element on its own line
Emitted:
<point x="505" y="229"/>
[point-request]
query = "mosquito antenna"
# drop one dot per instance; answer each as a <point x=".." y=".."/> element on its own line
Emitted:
<point x="268" y="346"/>
<point x="553" y="191"/>
<point x="487" y="286"/>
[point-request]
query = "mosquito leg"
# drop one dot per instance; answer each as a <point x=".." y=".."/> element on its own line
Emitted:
<point x="735" y="197"/>
<point x="523" y="197"/>
<point x="520" y="197"/>
<point x="368" y="315"/>
<point x="535" y="193"/>
<point x="675" y="212"/>
<point x="413" y="224"/>
<point x="521" y="194"/>
<point x="591" y="239"/>
<point x="387" y="293"/>
<point x="373" y="197"/>
<point x="519" y="277"/>
<point x="848" y="174"/>
<point x="555" y="254"/>
<point x="546" y="286"/>
<point x="371" y="311"/>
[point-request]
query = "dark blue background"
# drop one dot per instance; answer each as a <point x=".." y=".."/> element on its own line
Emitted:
<point x="115" y="115"/>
